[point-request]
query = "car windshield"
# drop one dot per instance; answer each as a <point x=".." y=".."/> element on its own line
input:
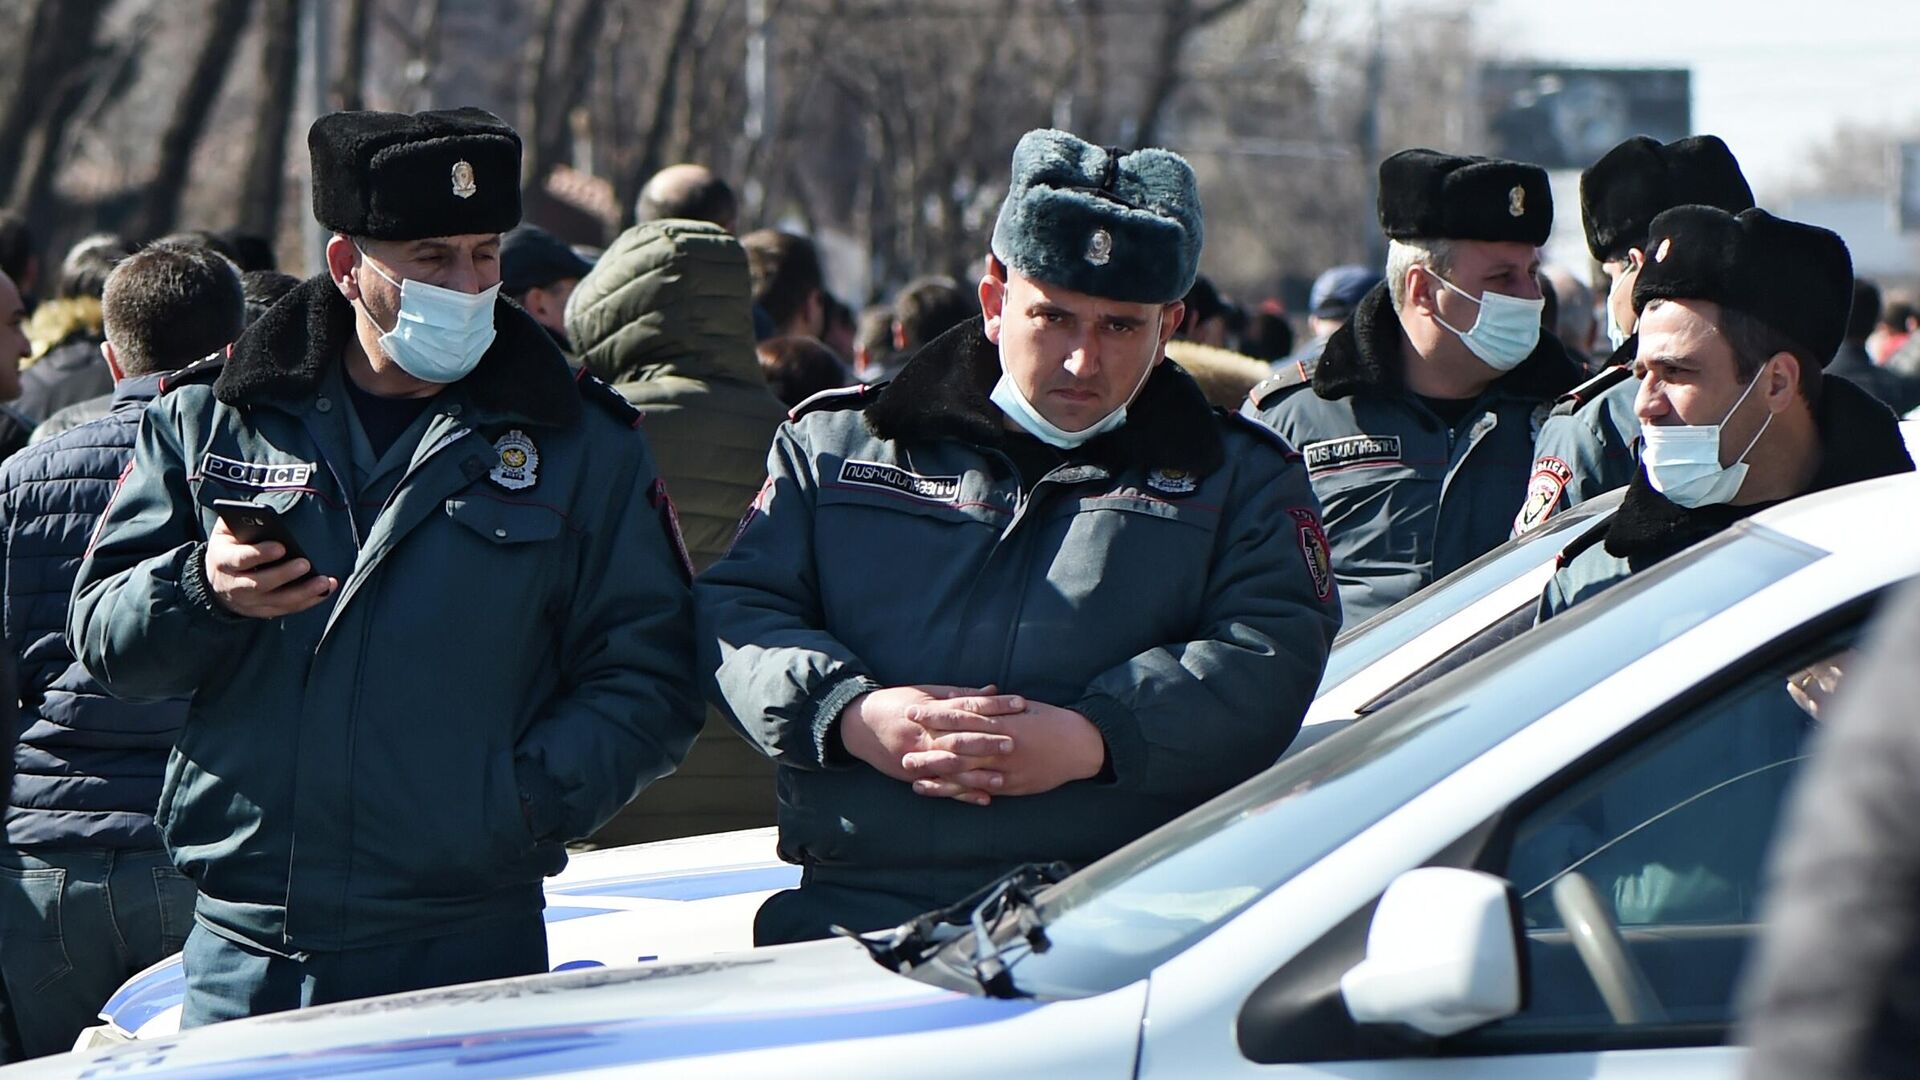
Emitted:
<point x="1359" y="647"/>
<point x="1112" y="923"/>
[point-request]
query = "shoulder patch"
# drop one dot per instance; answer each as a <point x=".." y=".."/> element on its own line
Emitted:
<point x="1263" y="432"/>
<point x="602" y="393"/>
<point x="204" y="370"/>
<point x="844" y="397"/>
<point x="1550" y="478"/>
<point x="1588" y="392"/>
<point x="1289" y="376"/>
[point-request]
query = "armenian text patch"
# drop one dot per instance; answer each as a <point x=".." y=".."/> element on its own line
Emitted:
<point x="1353" y="450"/>
<point x="873" y="474"/>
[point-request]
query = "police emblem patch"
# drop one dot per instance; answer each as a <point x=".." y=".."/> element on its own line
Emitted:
<point x="519" y="465"/>
<point x="464" y="185"/>
<point x="1517" y="201"/>
<point x="1100" y="247"/>
<point x="1550" y="477"/>
<point x="1173" y="481"/>
<point x="1314" y="549"/>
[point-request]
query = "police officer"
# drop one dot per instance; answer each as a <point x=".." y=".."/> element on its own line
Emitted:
<point x="1586" y="447"/>
<point x="1419" y="420"/>
<point x="473" y="643"/>
<point x="1033" y="597"/>
<point x="1737" y="314"/>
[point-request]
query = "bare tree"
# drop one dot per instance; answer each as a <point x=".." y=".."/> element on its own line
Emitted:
<point x="1184" y="18"/>
<point x="50" y="76"/>
<point x="260" y="194"/>
<point x="226" y="20"/>
<point x="648" y="161"/>
<point x="350" y="83"/>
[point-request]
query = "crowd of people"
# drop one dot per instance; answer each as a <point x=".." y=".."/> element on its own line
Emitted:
<point x="342" y="607"/>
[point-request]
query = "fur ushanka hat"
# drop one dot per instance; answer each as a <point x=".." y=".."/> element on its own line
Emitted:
<point x="399" y="176"/>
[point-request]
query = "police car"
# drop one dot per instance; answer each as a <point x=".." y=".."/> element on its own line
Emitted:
<point x="1546" y="862"/>
<point x="648" y="903"/>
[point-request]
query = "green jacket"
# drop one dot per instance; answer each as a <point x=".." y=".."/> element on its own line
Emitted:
<point x="505" y="663"/>
<point x="1168" y="581"/>
<point x="667" y="316"/>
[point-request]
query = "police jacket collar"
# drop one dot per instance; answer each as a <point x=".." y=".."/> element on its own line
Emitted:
<point x="282" y="358"/>
<point x="1363" y="357"/>
<point x="942" y="392"/>
<point x="1859" y="440"/>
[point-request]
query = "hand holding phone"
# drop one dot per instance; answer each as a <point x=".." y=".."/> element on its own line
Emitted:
<point x="255" y="567"/>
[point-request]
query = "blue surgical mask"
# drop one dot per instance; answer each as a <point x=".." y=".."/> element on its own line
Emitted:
<point x="1617" y="335"/>
<point x="1507" y="330"/>
<point x="1015" y="404"/>
<point x="440" y="334"/>
<point x="1683" y="460"/>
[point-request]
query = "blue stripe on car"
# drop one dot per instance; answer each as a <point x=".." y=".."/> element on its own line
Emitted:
<point x="690" y="886"/>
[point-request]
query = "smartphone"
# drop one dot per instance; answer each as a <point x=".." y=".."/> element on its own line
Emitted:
<point x="252" y="523"/>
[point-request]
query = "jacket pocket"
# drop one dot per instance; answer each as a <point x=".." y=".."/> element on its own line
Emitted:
<point x="505" y="524"/>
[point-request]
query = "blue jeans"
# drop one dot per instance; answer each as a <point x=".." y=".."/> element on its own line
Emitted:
<point x="74" y="923"/>
<point x="227" y="979"/>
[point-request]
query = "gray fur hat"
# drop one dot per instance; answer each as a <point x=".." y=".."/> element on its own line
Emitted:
<point x="1124" y="225"/>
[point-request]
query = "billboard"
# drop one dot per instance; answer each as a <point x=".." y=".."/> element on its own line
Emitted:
<point x="1561" y="117"/>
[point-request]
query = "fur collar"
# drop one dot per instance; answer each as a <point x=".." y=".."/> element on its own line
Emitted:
<point x="1859" y="440"/>
<point x="1363" y="357"/>
<point x="284" y="355"/>
<point x="942" y="392"/>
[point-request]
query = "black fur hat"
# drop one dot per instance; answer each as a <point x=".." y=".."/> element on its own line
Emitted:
<point x="395" y="176"/>
<point x="1122" y="224"/>
<point x="1632" y="183"/>
<point x="1796" y="278"/>
<point x="1427" y="195"/>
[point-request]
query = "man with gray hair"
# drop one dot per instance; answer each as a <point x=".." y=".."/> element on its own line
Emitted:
<point x="1423" y="408"/>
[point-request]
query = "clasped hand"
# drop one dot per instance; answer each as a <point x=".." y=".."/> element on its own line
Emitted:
<point x="970" y="744"/>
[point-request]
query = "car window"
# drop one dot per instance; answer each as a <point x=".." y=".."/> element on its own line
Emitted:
<point x="1641" y="883"/>
<point x="1113" y="922"/>
<point x="1359" y="647"/>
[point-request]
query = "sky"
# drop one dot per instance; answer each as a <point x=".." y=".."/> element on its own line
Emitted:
<point x="1771" y="77"/>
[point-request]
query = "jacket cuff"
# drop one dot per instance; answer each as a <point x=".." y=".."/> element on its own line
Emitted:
<point x="827" y="747"/>
<point x="198" y="593"/>
<point x="1126" y="746"/>
<point x="540" y="799"/>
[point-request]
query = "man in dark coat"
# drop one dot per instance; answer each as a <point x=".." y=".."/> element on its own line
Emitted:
<point x="90" y="895"/>
<point x="1737" y="315"/>
<point x="1034" y="597"/>
<point x="1418" y="422"/>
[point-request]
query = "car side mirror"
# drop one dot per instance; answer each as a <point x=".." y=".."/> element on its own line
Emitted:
<point x="1443" y="954"/>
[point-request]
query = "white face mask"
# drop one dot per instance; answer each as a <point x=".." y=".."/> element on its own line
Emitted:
<point x="440" y="334"/>
<point x="1015" y="404"/>
<point x="1683" y="460"/>
<point x="1616" y="335"/>
<point x="1507" y="330"/>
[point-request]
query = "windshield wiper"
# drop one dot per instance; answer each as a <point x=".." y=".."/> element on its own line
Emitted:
<point x="912" y="942"/>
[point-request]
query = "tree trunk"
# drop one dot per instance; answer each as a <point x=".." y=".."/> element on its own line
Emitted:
<point x="627" y="190"/>
<point x="350" y="85"/>
<point x="260" y="196"/>
<point x="226" y="21"/>
<point x="59" y="42"/>
<point x="1183" y="18"/>
<point x="560" y="82"/>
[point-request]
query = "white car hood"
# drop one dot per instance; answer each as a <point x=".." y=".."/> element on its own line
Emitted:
<point x="788" y="999"/>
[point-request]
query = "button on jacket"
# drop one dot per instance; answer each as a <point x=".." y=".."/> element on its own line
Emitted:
<point x="505" y="663"/>
<point x="1408" y="498"/>
<point x="1168" y="581"/>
